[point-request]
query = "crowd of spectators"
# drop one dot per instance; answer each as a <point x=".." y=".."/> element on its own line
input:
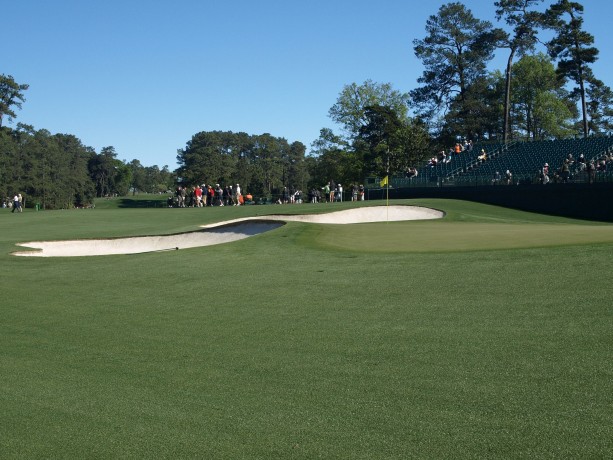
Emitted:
<point x="444" y="156"/>
<point x="334" y="193"/>
<point x="200" y="196"/>
<point x="575" y="169"/>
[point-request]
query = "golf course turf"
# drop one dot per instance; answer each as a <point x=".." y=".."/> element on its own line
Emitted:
<point x="485" y="334"/>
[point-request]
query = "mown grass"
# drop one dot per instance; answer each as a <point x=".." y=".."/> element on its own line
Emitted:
<point x="310" y="341"/>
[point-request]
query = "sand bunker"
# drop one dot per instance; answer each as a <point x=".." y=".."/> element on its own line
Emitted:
<point x="222" y="232"/>
<point x="352" y="216"/>
<point x="140" y="244"/>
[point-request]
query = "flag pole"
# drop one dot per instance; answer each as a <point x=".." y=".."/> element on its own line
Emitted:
<point x="387" y="194"/>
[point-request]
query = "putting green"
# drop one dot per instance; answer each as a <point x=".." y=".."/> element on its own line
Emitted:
<point x="446" y="236"/>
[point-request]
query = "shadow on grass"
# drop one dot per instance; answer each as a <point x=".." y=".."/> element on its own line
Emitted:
<point x="140" y="203"/>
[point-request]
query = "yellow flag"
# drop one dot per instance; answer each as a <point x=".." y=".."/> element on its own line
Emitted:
<point x="384" y="182"/>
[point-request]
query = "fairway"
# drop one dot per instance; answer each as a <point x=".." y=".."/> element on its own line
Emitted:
<point x="487" y="333"/>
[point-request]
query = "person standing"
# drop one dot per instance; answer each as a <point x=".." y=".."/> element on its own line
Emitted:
<point x="183" y="195"/>
<point x="198" y="194"/>
<point x="210" y="193"/>
<point x="218" y="195"/>
<point x="16" y="204"/>
<point x="565" y="170"/>
<point x="591" y="172"/>
<point x="227" y="195"/>
<point x="237" y="195"/>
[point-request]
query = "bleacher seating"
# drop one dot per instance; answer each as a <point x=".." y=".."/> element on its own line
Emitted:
<point x="524" y="159"/>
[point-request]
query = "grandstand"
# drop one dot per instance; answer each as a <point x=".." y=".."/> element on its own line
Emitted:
<point x="524" y="159"/>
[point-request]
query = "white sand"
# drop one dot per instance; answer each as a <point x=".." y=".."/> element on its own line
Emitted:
<point x="353" y="216"/>
<point x="222" y="232"/>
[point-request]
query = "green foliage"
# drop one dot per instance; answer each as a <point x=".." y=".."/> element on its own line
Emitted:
<point x="334" y="164"/>
<point x="457" y="97"/>
<point x="59" y="172"/>
<point x="541" y="107"/>
<point x="478" y="114"/>
<point x="573" y="47"/>
<point x="110" y="175"/>
<point x="11" y="95"/>
<point x="599" y="106"/>
<point x="150" y="179"/>
<point x="376" y="127"/>
<point x="47" y="169"/>
<point x="349" y="111"/>
<point x="455" y="53"/>
<point x="525" y="24"/>
<point x="262" y="164"/>
<point x="391" y="143"/>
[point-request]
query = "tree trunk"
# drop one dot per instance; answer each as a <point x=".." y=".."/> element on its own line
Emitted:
<point x="583" y="104"/>
<point x="507" y="98"/>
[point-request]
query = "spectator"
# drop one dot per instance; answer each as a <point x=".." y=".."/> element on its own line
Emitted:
<point x="545" y="174"/>
<point x="16" y="203"/>
<point x="227" y="195"/>
<point x="591" y="172"/>
<point x="237" y="195"/>
<point x="483" y="156"/>
<point x="565" y="170"/>
<point x="198" y="195"/>
<point x="218" y="195"/>
<point x="211" y="195"/>
<point x="411" y="173"/>
<point x="297" y="196"/>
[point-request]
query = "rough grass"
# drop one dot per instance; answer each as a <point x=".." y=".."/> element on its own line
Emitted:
<point x="309" y="341"/>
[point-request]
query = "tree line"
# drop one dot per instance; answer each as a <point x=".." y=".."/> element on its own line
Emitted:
<point x="58" y="172"/>
<point x="547" y="90"/>
<point x="262" y="164"/>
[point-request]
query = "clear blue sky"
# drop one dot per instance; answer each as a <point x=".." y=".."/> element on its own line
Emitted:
<point x="144" y="76"/>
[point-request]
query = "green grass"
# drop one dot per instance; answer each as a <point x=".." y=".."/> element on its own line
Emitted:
<point x="485" y="334"/>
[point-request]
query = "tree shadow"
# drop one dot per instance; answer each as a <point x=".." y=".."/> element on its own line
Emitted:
<point x="132" y="203"/>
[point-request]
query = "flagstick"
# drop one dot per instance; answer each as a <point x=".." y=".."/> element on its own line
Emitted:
<point x="387" y="201"/>
<point x="387" y="188"/>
